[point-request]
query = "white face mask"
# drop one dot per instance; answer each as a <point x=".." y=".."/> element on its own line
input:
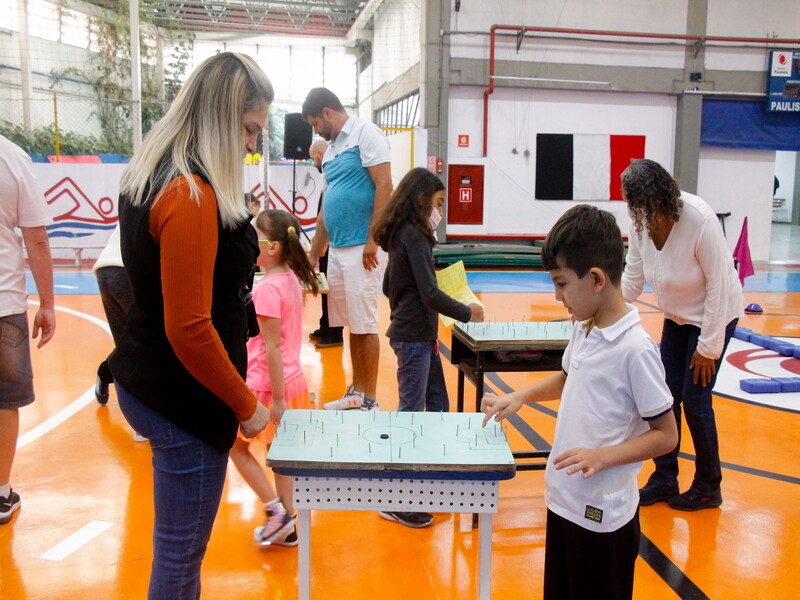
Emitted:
<point x="434" y="219"/>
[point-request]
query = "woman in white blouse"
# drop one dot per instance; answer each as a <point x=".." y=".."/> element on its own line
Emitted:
<point x="676" y="244"/>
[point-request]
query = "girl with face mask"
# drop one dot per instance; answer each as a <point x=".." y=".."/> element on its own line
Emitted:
<point x="405" y="231"/>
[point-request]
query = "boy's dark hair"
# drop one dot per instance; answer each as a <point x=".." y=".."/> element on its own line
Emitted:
<point x="410" y="203"/>
<point x="283" y="227"/>
<point x="585" y="237"/>
<point x="319" y="99"/>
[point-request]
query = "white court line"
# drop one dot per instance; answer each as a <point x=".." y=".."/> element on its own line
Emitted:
<point x="76" y="541"/>
<point x="57" y="419"/>
<point x="99" y="322"/>
<point x="72" y="408"/>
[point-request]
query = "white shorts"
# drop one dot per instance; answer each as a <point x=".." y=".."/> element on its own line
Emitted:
<point x="353" y="291"/>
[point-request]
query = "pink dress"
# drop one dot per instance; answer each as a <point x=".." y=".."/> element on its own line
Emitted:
<point x="279" y="296"/>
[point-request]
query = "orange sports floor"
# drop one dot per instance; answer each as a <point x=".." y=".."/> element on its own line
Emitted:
<point x="79" y="469"/>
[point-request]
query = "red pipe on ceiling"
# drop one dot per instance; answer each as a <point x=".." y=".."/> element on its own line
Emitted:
<point x="599" y="32"/>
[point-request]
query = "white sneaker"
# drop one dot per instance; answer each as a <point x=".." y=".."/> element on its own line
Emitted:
<point x="370" y="407"/>
<point x="138" y="438"/>
<point x="351" y="400"/>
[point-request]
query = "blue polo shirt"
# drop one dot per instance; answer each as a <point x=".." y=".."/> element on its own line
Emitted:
<point x="350" y="191"/>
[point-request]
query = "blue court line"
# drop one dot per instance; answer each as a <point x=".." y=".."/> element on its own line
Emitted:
<point x="486" y="282"/>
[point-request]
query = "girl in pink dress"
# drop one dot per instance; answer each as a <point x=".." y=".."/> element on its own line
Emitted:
<point x="273" y="364"/>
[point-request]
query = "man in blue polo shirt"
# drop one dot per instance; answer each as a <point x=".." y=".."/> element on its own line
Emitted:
<point x="357" y="171"/>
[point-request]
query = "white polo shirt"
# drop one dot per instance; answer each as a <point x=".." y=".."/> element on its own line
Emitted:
<point x="22" y="204"/>
<point x="615" y="380"/>
<point x="350" y="191"/>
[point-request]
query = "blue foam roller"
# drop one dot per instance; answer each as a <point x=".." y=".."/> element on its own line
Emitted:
<point x="760" y="386"/>
<point x="759" y="340"/>
<point x="742" y="333"/>
<point x="796" y="352"/>
<point x="785" y="348"/>
<point x="772" y="343"/>
<point x="788" y="384"/>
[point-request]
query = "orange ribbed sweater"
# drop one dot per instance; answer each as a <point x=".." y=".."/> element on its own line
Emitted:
<point x="186" y="232"/>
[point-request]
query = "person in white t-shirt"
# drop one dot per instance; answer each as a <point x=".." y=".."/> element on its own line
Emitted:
<point x="615" y="412"/>
<point x="23" y="207"/>
<point x="678" y="247"/>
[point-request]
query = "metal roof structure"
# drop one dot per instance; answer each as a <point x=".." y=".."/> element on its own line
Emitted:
<point x="311" y="18"/>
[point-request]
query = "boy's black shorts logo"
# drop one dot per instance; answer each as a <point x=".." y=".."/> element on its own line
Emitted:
<point x="593" y="514"/>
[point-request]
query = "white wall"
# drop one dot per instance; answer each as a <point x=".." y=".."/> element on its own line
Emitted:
<point x="653" y="16"/>
<point x="740" y="182"/>
<point x="745" y="18"/>
<point x="729" y="18"/>
<point x="515" y="117"/>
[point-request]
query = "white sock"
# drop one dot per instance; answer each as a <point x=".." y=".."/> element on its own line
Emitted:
<point x="5" y="490"/>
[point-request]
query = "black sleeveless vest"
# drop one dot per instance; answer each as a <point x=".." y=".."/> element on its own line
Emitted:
<point x="144" y="362"/>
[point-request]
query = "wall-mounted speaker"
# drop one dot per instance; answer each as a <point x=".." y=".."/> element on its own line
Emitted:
<point x="296" y="137"/>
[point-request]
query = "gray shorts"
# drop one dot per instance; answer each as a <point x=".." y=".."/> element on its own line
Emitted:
<point x="16" y="374"/>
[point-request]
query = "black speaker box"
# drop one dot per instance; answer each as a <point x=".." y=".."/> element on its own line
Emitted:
<point x="296" y="137"/>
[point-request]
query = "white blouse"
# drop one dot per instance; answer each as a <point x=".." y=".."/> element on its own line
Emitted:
<point x="692" y="276"/>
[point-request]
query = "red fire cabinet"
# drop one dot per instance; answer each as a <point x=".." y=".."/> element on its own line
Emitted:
<point x="465" y="195"/>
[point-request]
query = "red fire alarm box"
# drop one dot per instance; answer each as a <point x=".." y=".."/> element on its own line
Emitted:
<point x="465" y="195"/>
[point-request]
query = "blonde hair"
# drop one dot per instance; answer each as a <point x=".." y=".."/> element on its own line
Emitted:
<point x="201" y="134"/>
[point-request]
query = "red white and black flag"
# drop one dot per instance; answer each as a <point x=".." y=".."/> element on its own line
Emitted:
<point x="583" y="167"/>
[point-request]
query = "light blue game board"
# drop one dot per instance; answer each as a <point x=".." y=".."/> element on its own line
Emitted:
<point x="519" y="331"/>
<point x="389" y="441"/>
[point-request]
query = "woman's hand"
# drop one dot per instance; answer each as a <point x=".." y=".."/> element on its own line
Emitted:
<point x="255" y="424"/>
<point x="704" y="368"/>
<point x="276" y="410"/>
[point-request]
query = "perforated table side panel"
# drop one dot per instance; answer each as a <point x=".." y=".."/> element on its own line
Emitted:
<point x="406" y="495"/>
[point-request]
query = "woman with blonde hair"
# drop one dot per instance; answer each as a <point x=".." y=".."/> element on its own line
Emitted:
<point x="190" y="252"/>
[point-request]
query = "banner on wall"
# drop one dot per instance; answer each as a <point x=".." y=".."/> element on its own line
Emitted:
<point x="82" y="199"/>
<point x="584" y="167"/>
<point x="783" y="88"/>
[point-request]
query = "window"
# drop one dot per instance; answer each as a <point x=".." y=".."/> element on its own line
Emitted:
<point x="402" y="113"/>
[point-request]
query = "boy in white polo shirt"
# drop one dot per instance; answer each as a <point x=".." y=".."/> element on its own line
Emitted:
<point x="615" y="412"/>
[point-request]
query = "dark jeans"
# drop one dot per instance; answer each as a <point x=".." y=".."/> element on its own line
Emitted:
<point x="678" y="343"/>
<point x="188" y="476"/>
<point x="420" y="378"/>
<point x="117" y="297"/>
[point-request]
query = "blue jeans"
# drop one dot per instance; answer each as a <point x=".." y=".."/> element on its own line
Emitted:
<point x="678" y="343"/>
<point x="420" y="379"/>
<point x="188" y="476"/>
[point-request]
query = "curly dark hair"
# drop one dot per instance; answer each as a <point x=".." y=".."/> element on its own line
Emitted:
<point x="411" y="202"/>
<point x="650" y="192"/>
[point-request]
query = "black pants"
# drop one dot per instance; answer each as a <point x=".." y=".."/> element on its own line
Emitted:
<point x="117" y="297"/>
<point x="584" y="565"/>
<point x="324" y="324"/>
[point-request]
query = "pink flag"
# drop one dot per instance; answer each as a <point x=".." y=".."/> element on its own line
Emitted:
<point x="741" y="254"/>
